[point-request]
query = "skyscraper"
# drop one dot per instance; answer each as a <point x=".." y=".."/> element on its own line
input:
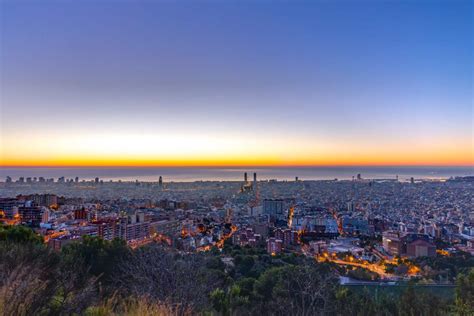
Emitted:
<point x="273" y="207"/>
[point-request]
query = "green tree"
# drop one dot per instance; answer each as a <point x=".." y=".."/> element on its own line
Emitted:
<point x="19" y="234"/>
<point x="246" y="286"/>
<point x="419" y="303"/>
<point x="228" y="303"/>
<point x="464" y="300"/>
<point x="101" y="256"/>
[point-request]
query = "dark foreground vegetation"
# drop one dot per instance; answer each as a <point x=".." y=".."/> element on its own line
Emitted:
<point x="96" y="277"/>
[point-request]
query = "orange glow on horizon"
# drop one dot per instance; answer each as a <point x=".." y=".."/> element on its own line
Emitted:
<point x="188" y="150"/>
<point x="230" y="163"/>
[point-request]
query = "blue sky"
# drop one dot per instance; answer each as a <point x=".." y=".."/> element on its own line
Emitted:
<point x="352" y="78"/>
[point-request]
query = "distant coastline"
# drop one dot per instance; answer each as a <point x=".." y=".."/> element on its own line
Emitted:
<point x="189" y="174"/>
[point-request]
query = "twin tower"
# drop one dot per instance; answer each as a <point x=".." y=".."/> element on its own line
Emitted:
<point x="254" y="177"/>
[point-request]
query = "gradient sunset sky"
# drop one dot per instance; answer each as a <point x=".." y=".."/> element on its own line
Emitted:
<point x="236" y="83"/>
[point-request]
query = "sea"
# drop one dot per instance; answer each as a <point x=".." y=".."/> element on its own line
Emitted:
<point x="191" y="174"/>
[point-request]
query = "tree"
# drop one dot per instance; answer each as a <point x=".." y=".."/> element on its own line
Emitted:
<point x="26" y="278"/>
<point x="99" y="255"/>
<point x="246" y="286"/>
<point x="19" y="234"/>
<point x="162" y="275"/>
<point x="230" y="302"/>
<point x="414" y="303"/>
<point x="306" y="289"/>
<point x="34" y="282"/>
<point x="464" y="299"/>
<point x="363" y="274"/>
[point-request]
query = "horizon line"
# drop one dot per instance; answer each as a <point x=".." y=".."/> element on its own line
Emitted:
<point x="242" y="166"/>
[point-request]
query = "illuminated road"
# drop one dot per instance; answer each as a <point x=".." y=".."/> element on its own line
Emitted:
<point x="220" y="243"/>
<point x="380" y="270"/>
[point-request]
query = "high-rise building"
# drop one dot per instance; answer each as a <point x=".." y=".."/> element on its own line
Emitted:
<point x="245" y="177"/>
<point x="9" y="207"/>
<point x="160" y="181"/>
<point x="274" y="246"/>
<point x="134" y="227"/>
<point x="392" y="242"/>
<point x="107" y="229"/>
<point x="80" y="213"/>
<point x="420" y="248"/>
<point x="47" y="200"/>
<point x="31" y="214"/>
<point x="273" y="207"/>
<point x="350" y="206"/>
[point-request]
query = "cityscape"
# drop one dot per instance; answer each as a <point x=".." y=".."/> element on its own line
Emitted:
<point x="320" y="219"/>
<point x="372" y="233"/>
<point x="236" y="158"/>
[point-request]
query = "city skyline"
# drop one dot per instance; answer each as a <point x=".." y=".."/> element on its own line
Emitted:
<point x="203" y="157"/>
<point x="236" y="84"/>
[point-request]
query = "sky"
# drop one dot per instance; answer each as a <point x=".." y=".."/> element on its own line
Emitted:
<point x="204" y="83"/>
